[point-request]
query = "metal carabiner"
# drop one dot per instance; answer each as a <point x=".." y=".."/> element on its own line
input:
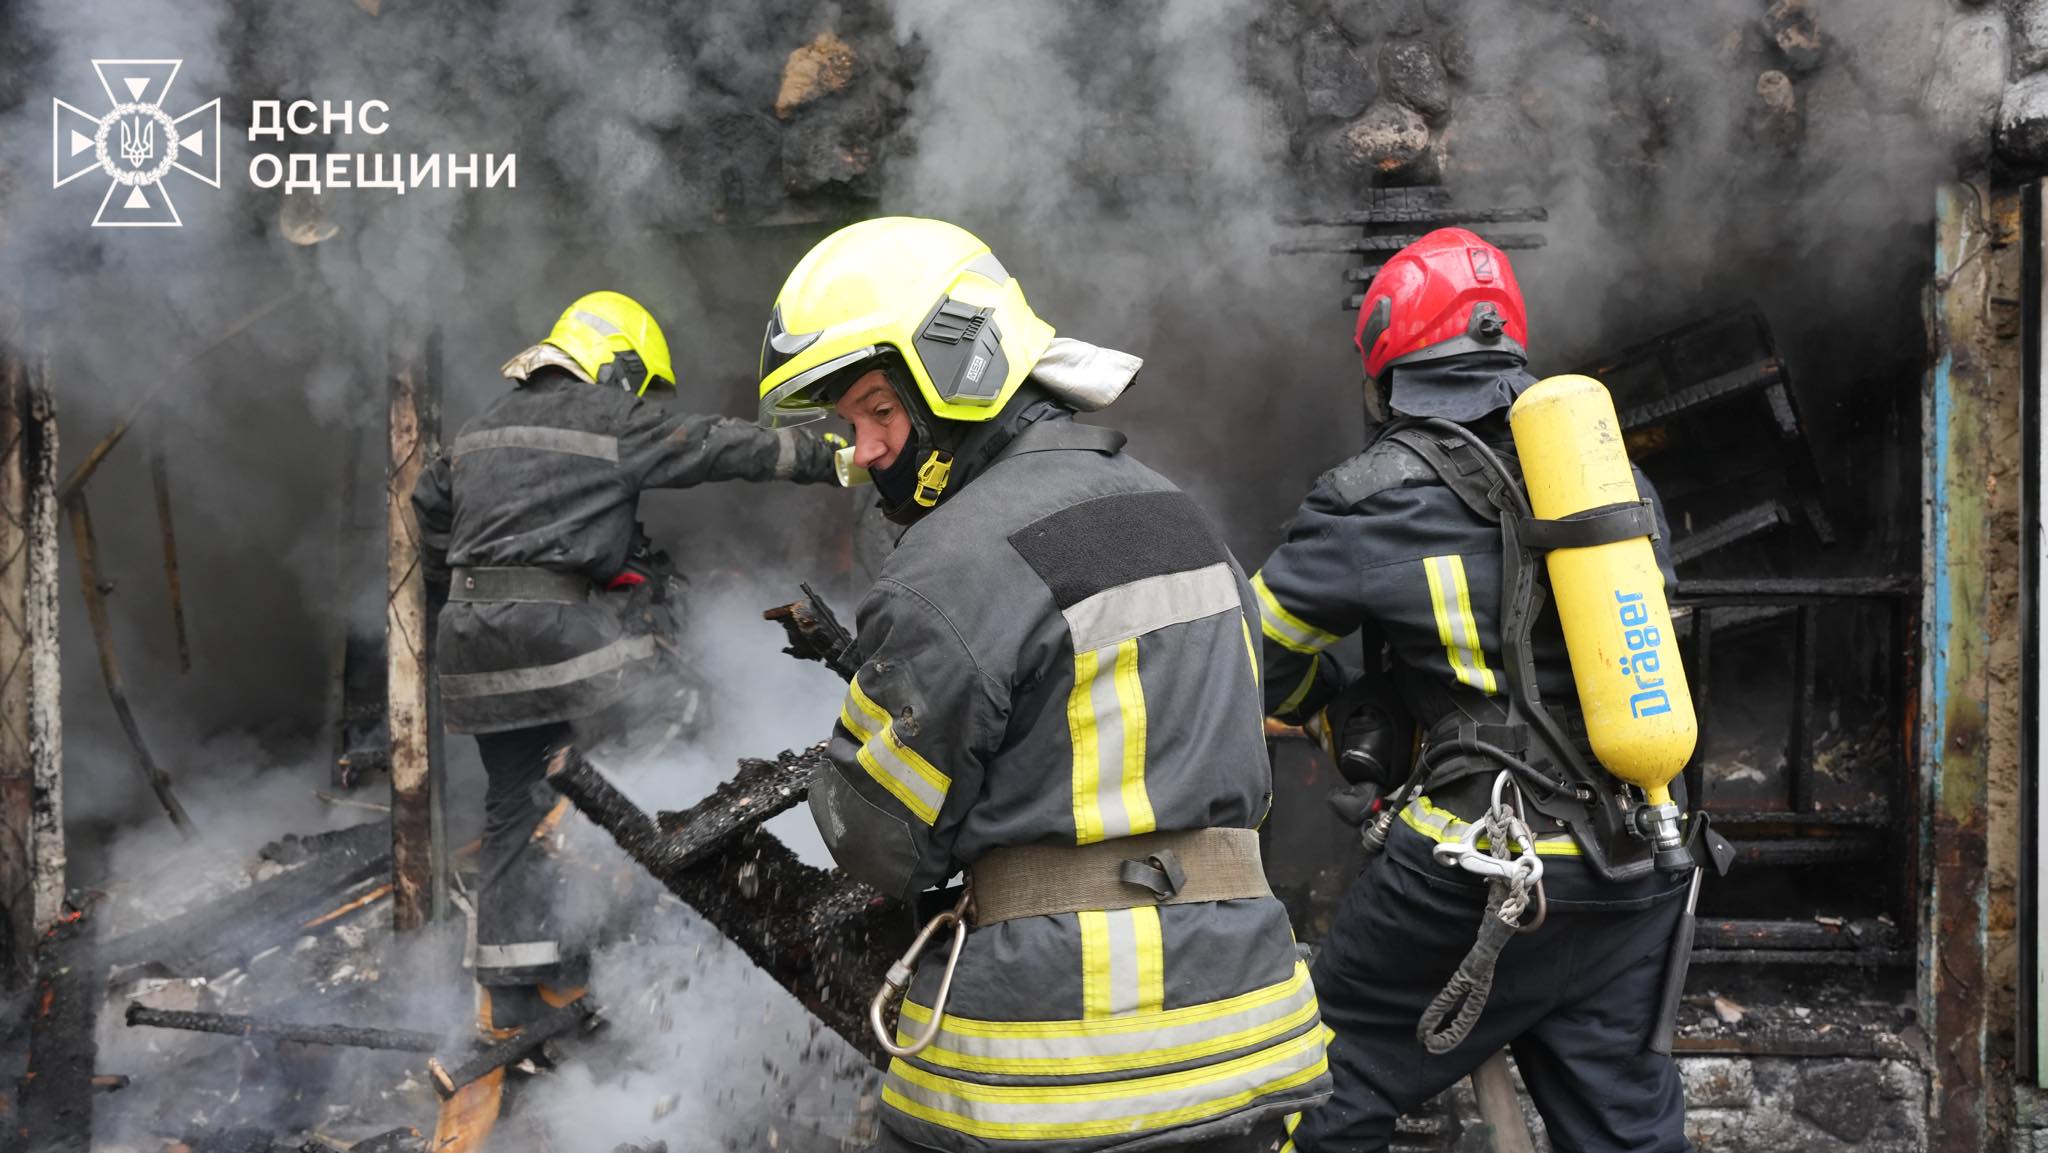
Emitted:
<point x="1525" y="880"/>
<point x="897" y="982"/>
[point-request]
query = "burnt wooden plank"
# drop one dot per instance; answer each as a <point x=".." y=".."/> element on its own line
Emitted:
<point x="247" y="921"/>
<point x="823" y="937"/>
<point x="239" y="1025"/>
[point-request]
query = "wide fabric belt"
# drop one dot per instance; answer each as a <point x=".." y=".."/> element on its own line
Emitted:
<point x="1178" y="868"/>
<point x="518" y="584"/>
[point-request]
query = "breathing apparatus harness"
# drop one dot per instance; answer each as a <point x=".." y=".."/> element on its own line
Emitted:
<point x="1539" y="765"/>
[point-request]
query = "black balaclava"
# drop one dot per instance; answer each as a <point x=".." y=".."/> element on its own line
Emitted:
<point x="970" y="446"/>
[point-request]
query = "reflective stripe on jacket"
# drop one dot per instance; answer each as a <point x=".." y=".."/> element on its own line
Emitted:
<point x="1064" y="652"/>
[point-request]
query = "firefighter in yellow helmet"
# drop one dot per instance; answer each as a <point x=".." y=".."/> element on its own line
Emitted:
<point x="553" y="597"/>
<point x="1057" y="695"/>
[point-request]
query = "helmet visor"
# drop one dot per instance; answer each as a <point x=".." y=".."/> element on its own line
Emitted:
<point x="802" y="397"/>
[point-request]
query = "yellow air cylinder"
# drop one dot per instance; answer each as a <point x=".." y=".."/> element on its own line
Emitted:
<point x="1610" y="598"/>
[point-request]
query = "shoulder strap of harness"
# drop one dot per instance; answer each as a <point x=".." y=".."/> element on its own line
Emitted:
<point x="1457" y="465"/>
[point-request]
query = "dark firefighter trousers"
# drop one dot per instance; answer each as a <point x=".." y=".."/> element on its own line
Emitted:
<point x="1573" y="1001"/>
<point x="521" y="939"/>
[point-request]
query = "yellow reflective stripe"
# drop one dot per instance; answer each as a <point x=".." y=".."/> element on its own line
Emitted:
<point x="1151" y="959"/>
<point x="1111" y="1047"/>
<point x="1129" y="1106"/>
<point x="1133" y="1023"/>
<point x="1130" y="699"/>
<point x="1471" y="626"/>
<point x="1087" y="768"/>
<point x="1291" y="1120"/>
<point x="1104" y="1090"/>
<point x="858" y="706"/>
<point x="1076" y="1065"/>
<point x="1283" y="627"/>
<point x="895" y="766"/>
<point x="1095" y="992"/>
<point x="1122" y="1043"/>
<point x="1442" y="825"/>
<point x="1251" y="650"/>
<point x="1106" y="721"/>
<point x="860" y="732"/>
<point x="1122" y="964"/>
<point x="1300" y="693"/>
<point x="902" y="782"/>
<point x="1451" y="599"/>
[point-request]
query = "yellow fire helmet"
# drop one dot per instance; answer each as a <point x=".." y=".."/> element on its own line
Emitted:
<point x="929" y="291"/>
<point x="616" y="342"/>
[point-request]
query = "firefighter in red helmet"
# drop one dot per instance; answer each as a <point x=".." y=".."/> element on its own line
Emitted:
<point x="1402" y="545"/>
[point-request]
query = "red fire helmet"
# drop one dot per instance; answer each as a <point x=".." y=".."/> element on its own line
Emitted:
<point x="1447" y="293"/>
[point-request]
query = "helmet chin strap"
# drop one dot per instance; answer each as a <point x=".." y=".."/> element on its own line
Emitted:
<point x="940" y="455"/>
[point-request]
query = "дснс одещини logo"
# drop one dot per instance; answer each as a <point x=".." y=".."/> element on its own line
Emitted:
<point x="136" y="143"/>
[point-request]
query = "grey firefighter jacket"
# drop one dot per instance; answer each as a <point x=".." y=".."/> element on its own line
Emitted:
<point x="1382" y="547"/>
<point x="549" y="476"/>
<point x="1065" y="652"/>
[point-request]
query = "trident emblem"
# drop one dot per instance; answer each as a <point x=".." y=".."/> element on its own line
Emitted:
<point x="149" y="147"/>
<point x="138" y="141"/>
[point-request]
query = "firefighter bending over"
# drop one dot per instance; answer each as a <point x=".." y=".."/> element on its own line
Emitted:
<point x="1403" y="545"/>
<point x="527" y="523"/>
<point x="1057" y="693"/>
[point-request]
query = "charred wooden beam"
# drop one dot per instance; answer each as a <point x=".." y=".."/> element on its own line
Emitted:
<point x="250" y="920"/>
<point x="1392" y="244"/>
<point x="415" y="435"/>
<point x="95" y="590"/>
<point x="31" y="734"/>
<point x="824" y="938"/>
<point x="577" y="1015"/>
<point x="1714" y="390"/>
<point x="160" y="480"/>
<point x="673" y="841"/>
<point x="1875" y="816"/>
<point x="236" y="1025"/>
<point x="1839" y="958"/>
<point x="1436" y="213"/>
<point x="1794" y="590"/>
<point x="762" y="789"/>
<point x="1830" y="850"/>
<point x="1759" y="518"/>
<point x="1837" y="933"/>
<point x="1667" y="389"/>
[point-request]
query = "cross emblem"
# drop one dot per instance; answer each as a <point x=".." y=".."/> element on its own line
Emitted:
<point x="135" y="143"/>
